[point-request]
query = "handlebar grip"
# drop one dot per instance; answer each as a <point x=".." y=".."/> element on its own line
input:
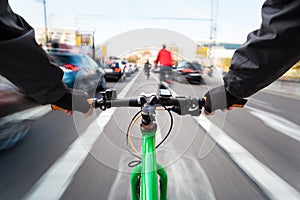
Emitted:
<point x="130" y="102"/>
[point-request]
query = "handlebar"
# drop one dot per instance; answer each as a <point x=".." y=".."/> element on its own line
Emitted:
<point x="181" y="105"/>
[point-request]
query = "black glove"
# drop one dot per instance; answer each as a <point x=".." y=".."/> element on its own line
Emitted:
<point x="219" y="98"/>
<point x="74" y="100"/>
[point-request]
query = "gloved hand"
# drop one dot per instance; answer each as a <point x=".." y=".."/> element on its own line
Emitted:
<point x="219" y="98"/>
<point x="74" y="100"/>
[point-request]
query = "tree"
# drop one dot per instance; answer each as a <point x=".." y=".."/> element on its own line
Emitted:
<point x="132" y="58"/>
<point x="146" y="53"/>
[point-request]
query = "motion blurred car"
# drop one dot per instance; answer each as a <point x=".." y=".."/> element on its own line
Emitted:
<point x="80" y="71"/>
<point x="132" y="68"/>
<point x="124" y="65"/>
<point x="113" y="71"/>
<point x="15" y="114"/>
<point x="190" y="72"/>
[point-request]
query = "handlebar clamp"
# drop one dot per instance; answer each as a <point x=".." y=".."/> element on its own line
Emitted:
<point x="109" y="94"/>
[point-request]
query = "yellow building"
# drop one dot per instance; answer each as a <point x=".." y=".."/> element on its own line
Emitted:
<point x="68" y="37"/>
<point x="58" y="35"/>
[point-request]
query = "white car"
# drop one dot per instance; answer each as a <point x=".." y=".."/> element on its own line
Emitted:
<point x="124" y="65"/>
<point x="132" y="67"/>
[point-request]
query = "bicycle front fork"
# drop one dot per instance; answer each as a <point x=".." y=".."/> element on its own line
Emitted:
<point x="135" y="182"/>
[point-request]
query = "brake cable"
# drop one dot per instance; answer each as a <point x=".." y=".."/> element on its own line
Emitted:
<point x="129" y="136"/>
<point x="170" y="129"/>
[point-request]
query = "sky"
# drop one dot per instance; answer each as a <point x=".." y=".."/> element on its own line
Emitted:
<point x="233" y="19"/>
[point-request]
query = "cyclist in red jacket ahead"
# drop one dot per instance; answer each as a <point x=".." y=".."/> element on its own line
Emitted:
<point x="165" y="59"/>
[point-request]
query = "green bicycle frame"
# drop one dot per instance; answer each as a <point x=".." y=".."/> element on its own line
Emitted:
<point x="148" y="169"/>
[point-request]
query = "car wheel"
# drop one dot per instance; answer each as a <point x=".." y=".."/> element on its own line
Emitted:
<point x="12" y="133"/>
<point x="181" y="79"/>
<point x="123" y="77"/>
<point x="101" y="84"/>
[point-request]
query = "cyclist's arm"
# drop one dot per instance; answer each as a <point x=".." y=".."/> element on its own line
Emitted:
<point x="27" y="65"/>
<point x="171" y="57"/>
<point x="269" y="52"/>
<point x="157" y="59"/>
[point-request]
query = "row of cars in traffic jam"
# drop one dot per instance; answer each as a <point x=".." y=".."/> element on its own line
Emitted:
<point x="118" y="70"/>
<point x="17" y="111"/>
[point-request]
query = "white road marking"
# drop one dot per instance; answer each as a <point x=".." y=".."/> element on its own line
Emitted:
<point x="120" y="188"/>
<point x="272" y="185"/>
<point x="55" y="181"/>
<point x="187" y="173"/>
<point x="278" y="123"/>
<point x="261" y="104"/>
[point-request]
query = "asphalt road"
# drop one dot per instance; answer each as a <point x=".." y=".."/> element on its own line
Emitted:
<point x="75" y="158"/>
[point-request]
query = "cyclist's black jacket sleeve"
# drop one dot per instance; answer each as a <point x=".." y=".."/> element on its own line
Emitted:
<point x="27" y="65"/>
<point x="269" y="51"/>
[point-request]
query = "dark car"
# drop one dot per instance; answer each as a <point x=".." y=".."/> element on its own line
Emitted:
<point x="80" y="71"/>
<point x="17" y="111"/>
<point x="113" y="71"/>
<point x="190" y="72"/>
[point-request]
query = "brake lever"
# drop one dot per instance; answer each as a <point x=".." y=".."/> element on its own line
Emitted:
<point x="192" y="108"/>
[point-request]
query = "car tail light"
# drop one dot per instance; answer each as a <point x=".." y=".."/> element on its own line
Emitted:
<point x="187" y="70"/>
<point x="71" y="67"/>
<point x="117" y="70"/>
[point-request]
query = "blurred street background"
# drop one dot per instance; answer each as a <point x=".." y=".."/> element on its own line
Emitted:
<point x="251" y="153"/>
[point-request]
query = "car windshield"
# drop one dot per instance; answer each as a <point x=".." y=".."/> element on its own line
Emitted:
<point x="197" y="66"/>
<point x="67" y="59"/>
<point x="112" y="65"/>
<point x="107" y="66"/>
<point x="189" y="66"/>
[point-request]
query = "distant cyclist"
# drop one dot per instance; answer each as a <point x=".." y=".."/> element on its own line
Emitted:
<point x="268" y="53"/>
<point x="28" y="66"/>
<point x="165" y="60"/>
<point x="147" y="67"/>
